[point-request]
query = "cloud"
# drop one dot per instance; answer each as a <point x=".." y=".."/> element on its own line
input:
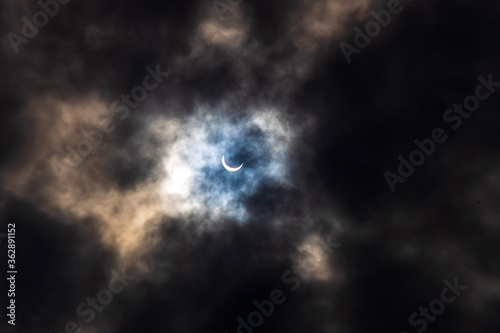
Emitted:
<point x="270" y="89"/>
<point x="315" y="22"/>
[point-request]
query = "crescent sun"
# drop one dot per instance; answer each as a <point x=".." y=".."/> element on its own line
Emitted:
<point x="228" y="168"/>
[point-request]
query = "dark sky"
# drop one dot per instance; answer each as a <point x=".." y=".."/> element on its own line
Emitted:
<point x="336" y="211"/>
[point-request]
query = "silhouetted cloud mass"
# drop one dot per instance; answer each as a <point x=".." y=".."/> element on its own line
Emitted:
<point x="348" y="215"/>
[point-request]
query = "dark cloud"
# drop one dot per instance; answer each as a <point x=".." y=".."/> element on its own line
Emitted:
<point x="269" y="87"/>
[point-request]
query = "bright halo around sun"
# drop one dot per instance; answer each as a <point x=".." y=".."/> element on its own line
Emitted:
<point x="195" y="182"/>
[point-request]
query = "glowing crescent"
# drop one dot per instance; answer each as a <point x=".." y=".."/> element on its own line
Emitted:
<point x="228" y="168"/>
